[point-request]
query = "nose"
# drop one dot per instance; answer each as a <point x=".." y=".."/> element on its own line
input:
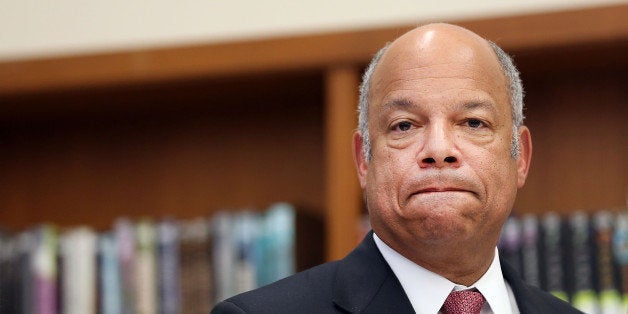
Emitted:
<point x="439" y="149"/>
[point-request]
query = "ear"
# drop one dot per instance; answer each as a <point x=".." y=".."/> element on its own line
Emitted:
<point x="359" y="159"/>
<point x="525" y="155"/>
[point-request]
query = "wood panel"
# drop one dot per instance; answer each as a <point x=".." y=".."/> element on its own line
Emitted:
<point x="586" y="26"/>
<point x="194" y="152"/>
<point x="578" y="122"/>
<point x="343" y="192"/>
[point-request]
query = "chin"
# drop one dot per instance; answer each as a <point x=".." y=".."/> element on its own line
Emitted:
<point x="442" y="223"/>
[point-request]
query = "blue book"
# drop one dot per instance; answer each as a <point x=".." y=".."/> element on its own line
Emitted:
<point x="109" y="275"/>
<point x="280" y="235"/>
<point x="168" y="257"/>
<point x="620" y="248"/>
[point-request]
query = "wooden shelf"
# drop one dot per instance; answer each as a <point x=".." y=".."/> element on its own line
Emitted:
<point x="185" y="131"/>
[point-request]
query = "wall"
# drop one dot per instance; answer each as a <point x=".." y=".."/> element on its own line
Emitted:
<point x="34" y="28"/>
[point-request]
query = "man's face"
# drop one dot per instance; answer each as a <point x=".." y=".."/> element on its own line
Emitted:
<point x="441" y="129"/>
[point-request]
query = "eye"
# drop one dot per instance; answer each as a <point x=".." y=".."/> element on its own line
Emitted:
<point x="403" y="126"/>
<point x="475" y="123"/>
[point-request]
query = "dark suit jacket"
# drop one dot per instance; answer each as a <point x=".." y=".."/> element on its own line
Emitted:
<point x="362" y="282"/>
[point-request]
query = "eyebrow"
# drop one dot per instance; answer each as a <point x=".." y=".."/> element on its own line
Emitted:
<point x="480" y="104"/>
<point x="399" y="103"/>
<point x="404" y="103"/>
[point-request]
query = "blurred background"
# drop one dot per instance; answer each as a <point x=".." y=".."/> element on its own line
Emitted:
<point x="33" y="28"/>
<point x="167" y="140"/>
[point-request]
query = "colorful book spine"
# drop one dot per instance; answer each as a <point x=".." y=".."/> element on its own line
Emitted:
<point x="224" y="255"/>
<point x="44" y="268"/>
<point x="554" y="276"/>
<point x="510" y="243"/>
<point x="281" y="230"/>
<point x="245" y="234"/>
<point x="196" y="267"/>
<point x="110" y="281"/>
<point x="9" y="274"/>
<point x="530" y="250"/>
<point x="77" y="248"/>
<point x="584" y="295"/>
<point x="620" y="248"/>
<point x="125" y="239"/>
<point x="610" y="298"/>
<point x="146" y="267"/>
<point x="27" y="241"/>
<point x="169" y="284"/>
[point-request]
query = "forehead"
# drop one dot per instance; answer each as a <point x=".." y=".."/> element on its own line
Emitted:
<point x="432" y="62"/>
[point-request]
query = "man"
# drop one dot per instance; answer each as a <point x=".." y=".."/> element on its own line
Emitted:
<point x="440" y="153"/>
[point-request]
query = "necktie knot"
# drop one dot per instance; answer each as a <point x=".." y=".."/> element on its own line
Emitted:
<point x="463" y="302"/>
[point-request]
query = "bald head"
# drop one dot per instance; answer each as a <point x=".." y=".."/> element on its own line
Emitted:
<point x="435" y="47"/>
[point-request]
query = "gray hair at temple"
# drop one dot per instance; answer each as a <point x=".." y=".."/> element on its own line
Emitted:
<point x="515" y="90"/>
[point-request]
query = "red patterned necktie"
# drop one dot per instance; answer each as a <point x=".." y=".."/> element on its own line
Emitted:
<point x="463" y="302"/>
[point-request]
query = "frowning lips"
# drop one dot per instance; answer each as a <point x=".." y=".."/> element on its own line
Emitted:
<point x="440" y="183"/>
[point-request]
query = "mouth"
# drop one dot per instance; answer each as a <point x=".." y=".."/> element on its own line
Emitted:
<point x="447" y="192"/>
<point x="439" y="190"/>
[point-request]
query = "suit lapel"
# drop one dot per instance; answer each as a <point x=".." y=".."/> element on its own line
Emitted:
<point x="365" y="283"/>
<point x="527" y="301"/>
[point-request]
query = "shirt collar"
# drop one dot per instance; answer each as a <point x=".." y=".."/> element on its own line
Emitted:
<point x="427" y="291"/>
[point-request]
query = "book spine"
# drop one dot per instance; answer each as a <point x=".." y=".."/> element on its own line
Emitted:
<point x="510" y="243"/>
<point x="530" y="250"/>
<point x="280" y="225"/>
<point x="224" y="255"/>
<point x="584" y="295"/>
<point x="110" y="281"/>
<point x="26" y="247"/>
<point x="44" y="265"/>
<point x="9" y="275"/>
<point x="78" y="251"/>
<point x="196" y="267"/>
<point x="620" y="248"/>
<point x="145" y="268"/>
<point x="553" y="257"/>
<point x="610" y="298"/>
<point x="169" y="284"/>
<point x="125" y="239"/>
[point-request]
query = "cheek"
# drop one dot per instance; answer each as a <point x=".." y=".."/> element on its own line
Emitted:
<point x="499" y="177"/>
<point x="386" y="178"/>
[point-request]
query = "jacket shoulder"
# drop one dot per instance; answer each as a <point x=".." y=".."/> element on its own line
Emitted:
<point x="304" y="292"/>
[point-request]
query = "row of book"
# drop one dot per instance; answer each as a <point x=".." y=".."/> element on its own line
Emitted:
<point x="580" y="258"/>
<point x="144" y="266"/>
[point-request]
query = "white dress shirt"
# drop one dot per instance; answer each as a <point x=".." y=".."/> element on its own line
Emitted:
<point x="427" y="291"/>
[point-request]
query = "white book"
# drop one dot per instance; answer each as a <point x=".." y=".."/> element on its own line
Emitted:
<point x="78" y="257"/>
<point x="146" y="268"/>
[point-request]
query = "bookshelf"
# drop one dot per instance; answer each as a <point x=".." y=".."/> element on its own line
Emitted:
<point x="185" y="131"/>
